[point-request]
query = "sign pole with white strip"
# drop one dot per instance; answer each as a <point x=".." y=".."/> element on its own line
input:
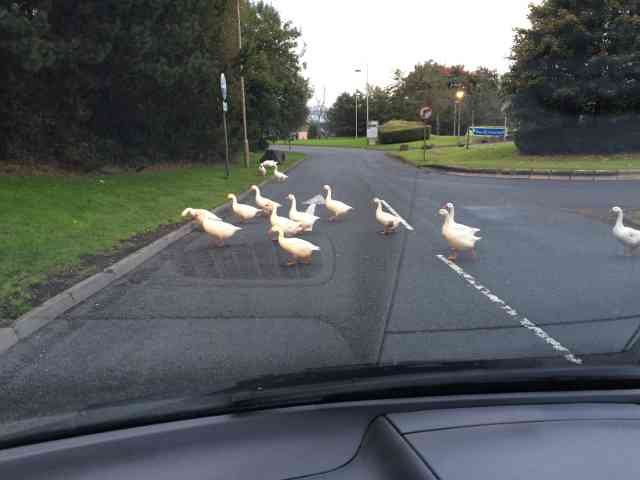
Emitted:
<point x="223" y="91"/>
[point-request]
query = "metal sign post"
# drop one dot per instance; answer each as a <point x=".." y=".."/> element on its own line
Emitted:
<point x="426" y="113"/>
<point x="223" y="90"/>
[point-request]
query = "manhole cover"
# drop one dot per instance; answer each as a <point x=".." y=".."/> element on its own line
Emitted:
<point x="263" y="260"/>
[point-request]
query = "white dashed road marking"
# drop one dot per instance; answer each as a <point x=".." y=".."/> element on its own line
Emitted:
<point x="402" y="220"/>
<point x="524" y="322"/>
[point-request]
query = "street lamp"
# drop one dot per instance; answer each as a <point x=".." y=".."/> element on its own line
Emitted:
<point x="243" y="101"/>
<point x="359" y="70"/>
<point x="457" y="113"/>
<point x="356" y="99"/>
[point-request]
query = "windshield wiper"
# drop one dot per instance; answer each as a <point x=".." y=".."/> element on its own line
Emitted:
<point x="323" y="386"/>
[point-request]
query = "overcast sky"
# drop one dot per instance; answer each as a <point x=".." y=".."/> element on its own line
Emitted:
<point x="341" y="35"/>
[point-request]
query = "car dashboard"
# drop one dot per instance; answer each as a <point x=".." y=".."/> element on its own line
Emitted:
<point x="526" y="436"/>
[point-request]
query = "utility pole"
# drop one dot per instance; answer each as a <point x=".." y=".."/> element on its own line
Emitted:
<point x="242" y="94"/>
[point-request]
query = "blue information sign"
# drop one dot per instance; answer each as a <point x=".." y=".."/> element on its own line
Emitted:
<point x="488" y="131"/>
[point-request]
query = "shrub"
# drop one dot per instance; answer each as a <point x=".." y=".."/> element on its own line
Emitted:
<point x="400" y="131"/>
<point x="605" y="136"/>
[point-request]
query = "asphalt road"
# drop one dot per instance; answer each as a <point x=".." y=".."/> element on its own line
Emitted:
<point x="550" y="286"/>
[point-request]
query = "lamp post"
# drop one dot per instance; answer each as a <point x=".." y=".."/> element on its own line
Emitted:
<point x="459" y="100"/>
<point x="356" y="98"/>
<point x="359" y="70"/>
<point x="242" y="94"/>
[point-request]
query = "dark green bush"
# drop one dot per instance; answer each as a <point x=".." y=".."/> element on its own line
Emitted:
<point x="605" y="136"/>
<point x="399" y="131"/>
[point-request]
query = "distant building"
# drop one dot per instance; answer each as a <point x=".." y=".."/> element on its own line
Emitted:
<point x="302" y="135"/>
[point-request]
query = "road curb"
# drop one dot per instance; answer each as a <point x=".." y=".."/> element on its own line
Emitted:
<point x="35" y="319"/>
<point x="592" y="175"/>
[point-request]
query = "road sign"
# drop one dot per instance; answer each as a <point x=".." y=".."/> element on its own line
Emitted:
<point x="425" y="113"/>
<point x="488" y="131"/>
<point x="372" y="130"/>
<point x="223" y="86"/>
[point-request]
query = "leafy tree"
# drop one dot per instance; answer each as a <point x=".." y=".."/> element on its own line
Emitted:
<point x="314" y="130"/>
<point x="342" y="115"/>
<point x="96" y="81"/>
<point x="575" y="80"/>
<point x="277" y="93"/>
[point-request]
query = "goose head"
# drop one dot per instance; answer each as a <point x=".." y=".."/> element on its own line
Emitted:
<point x="449" y="206"/>
<point x="376" y="201"/>
<point x="291" y="197"/>
<point x="231" y="196"/>
<point x="443" y="213"/>
<point x="616" y="210"/>
<point x="254" y="188"/>
<point x="187" y="211"/>
<point x="327" y="188"/>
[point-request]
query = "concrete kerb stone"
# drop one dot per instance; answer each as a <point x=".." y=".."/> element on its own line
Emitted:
<point x="40" y="316"/>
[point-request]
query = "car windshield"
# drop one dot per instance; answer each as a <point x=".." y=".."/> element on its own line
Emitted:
<point x="199" y="194"/>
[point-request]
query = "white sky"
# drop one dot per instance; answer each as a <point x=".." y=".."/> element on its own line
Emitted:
<point x="341" y="35"/>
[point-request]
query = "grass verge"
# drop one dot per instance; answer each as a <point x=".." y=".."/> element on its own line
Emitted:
<point x="53" y="223"/>
<point x="350" y="142"/>
<point x="505" y="156"/>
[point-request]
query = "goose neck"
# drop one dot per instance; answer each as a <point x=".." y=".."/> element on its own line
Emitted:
<point x="619" y="219"/>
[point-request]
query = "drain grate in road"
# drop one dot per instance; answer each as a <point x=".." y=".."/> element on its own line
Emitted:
<point x="262" y="260"/>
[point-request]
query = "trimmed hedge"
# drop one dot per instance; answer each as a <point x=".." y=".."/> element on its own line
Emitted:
<point x="399" y="131"/>
<point x="606" y="136"/>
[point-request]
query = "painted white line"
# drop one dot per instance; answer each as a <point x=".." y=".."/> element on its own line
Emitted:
<point x="402" y="220"/>
<point x="524" y="322"/>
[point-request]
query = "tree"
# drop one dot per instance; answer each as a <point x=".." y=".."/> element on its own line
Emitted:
<point x="342" y="115"/>
<point x="314" y="130"/>
<point x="97" y="81"/>
<point x="277" y="93"/>
<point x="575" y="81"/>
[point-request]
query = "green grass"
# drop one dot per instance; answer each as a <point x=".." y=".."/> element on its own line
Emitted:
<point x="350" y="142"/>
<point x="48" y="223"/>
<point x="506" y="156"/>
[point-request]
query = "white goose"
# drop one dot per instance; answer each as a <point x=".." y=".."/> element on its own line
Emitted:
<point x="629" y="237"/>
<point x="299" y="249"/>
<point x="192" y="212"/>
<point x="452" y="216"/>
<point x="281" y="177"/>
<point x="263" y="202"/>
<point x="389" y="221"/>
<point x="460" y="239"/>
<point x="217" y="228"/>
<point x="287" y="226"/>
<point x="269" y="164"/>
<point x="244" y="211"/>
<point x="336" y="207"/>
<point x="303" y="218"/>
<point x="262" y="170"/>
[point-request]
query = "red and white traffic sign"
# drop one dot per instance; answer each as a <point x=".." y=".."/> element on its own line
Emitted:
<point x="425" y="113"/>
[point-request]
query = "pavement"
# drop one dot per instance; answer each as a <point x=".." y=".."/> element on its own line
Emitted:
<point x="550" y="286"/>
